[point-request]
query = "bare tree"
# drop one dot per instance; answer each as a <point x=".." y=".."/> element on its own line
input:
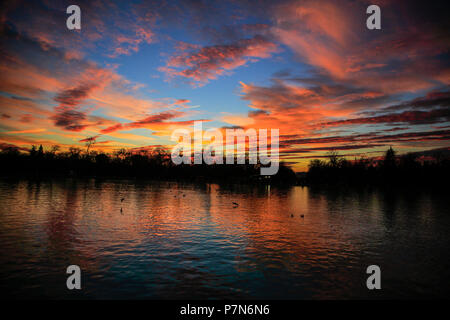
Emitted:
<point x="89" y="141"/>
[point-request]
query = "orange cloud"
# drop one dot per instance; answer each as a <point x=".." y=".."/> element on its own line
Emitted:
<point x="331" y="36"/>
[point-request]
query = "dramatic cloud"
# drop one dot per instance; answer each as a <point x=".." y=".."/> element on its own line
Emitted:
<point x="209" y="62"/>
<point x="331" y="36"/>
<point x="112" y="128"/>
<point x="332" y="148"/>
<point x="72" y="97"/>
<point x="70" y="120"/>
<point x="67" y="116"/>
<point x="115" y="28"/>
<point x="373" y="137"/>
<point x="410" y="117"/>
<point x="290" y="102"/>
<point x="432" y="99"/>
<point x="78" y="86"/>
<point x="155" y="121"/>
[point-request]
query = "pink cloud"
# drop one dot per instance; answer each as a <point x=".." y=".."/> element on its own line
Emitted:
<point x="207" y="63"/>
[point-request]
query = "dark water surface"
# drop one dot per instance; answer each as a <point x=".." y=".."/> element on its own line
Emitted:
<point x="174" y="240"/>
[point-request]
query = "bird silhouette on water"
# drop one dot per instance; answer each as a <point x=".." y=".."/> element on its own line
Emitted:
<point x="121" y="200"/>
<point x="236" y="204"/>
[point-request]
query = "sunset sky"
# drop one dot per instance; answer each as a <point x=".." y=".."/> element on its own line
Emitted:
<point x="137" y="70"/>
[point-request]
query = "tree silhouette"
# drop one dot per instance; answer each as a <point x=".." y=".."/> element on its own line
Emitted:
<point x="391" y="170"/>
<point x="154" y="163"/>
<point x="33" y="151"/>
<point x="389" y="158"/>
<point x="89" y="141"/>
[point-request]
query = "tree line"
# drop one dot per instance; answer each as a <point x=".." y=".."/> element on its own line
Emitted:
<point x="154" y="163"/>
<point x="391" y="169"/>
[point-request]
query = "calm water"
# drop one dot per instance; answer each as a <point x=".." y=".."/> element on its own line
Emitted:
<point x="175" y="240"/>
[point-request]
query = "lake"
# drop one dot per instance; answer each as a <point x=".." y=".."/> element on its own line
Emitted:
<point x="188" y="240"/>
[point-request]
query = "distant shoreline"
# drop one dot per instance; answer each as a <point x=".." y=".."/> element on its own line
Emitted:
<point x="393" y="170"/>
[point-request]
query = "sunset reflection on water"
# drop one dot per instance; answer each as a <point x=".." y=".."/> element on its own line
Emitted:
<point x="188" y="240"/>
